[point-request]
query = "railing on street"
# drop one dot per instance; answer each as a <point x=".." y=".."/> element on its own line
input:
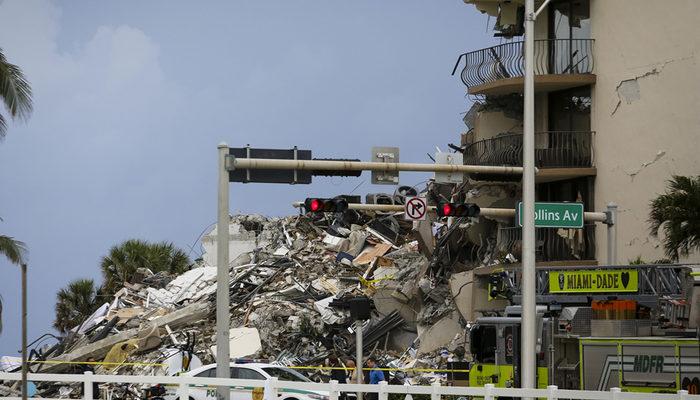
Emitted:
<point x="552" y="56"/>
<point x="554" y="149"/>
<point x="552" y="244"/>
<point x="273" y="386"/>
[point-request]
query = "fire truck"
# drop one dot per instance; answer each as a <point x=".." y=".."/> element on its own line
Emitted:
<point x="632" y="327"/>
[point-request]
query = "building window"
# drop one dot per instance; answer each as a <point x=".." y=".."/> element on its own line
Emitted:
<point x="570" y="110"/>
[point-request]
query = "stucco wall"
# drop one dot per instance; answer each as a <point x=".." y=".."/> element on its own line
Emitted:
<point x="645" y="110"/>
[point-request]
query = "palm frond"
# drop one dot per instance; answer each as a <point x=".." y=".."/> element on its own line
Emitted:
<point x="74" y="303"/>
<point x="676" y="214"/>
<point x="15" y="91"/>
<point x="13" y="249"/>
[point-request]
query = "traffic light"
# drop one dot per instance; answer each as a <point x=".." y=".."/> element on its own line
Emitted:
<point x="318" y="205"/>
<point x="445" y="209"/>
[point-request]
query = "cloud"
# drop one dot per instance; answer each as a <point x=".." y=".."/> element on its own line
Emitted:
<point x="80" y="167"/>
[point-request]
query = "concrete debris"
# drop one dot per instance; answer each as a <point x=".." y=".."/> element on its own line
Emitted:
<point x="284" y="276"/>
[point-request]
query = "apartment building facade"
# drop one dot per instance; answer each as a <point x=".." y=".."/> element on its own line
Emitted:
<point x="617" y="113"/>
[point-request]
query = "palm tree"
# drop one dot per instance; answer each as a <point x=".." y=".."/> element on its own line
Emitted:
<point x="120" y="265"/>
<point x="15" y="251"/>
<point x="15" y="92"/>
<point x="677" y="213"/>
<point x="74" y="304"/>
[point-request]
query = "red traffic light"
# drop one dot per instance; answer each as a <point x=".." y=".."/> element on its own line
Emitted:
<point x="457" y="210"/>
<point x="315" y="205"/>
<point x="318" y="205"/>
<point x="447" y="209"/>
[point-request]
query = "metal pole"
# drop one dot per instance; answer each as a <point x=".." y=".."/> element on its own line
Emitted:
<point x="25" y="367"/>
<point x="323" y="165"/>
<point x="486" y="212"/>
<point x="612" y="233"/>
<point x="358" y="354"/>
<point x="528" y="327"/>
<point x="222" y="278"/>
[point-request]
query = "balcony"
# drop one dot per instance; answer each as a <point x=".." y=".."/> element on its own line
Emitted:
<point x="558" y="155"/>
<point x="559" y="64"/>
<point x="552" y="244"/>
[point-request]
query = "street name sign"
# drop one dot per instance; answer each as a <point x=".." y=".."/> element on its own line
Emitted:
<point x="554" y="215"/>
<point x="415" y="208"/>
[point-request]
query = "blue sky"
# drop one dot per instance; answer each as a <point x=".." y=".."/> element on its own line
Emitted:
<point x="132" y="97"/>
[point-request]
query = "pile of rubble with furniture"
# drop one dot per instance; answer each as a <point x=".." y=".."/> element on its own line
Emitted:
<point x="284" y="275"/>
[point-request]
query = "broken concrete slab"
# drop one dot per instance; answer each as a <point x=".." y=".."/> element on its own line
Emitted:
<point x="243" y="342"/>
<point x="461" y="286"/>
<point x="440" y="334"/>
<point x="99" y="349"/>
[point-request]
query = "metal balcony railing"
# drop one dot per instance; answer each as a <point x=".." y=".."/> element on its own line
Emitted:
<point x="552" y="56"/>
<point x="552" y="244"/>
<point x="556" y="149"/>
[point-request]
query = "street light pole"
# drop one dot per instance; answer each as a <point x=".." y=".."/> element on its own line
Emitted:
<point x="25" y="367"/>
<point x="223" y="317"/>
<point x="528" y="326"/>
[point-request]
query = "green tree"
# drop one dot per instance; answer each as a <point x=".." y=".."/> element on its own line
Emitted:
<point x="15" y="91"/>
<point x="75" y="303"/>
<point x="15" y="251"/>
<point x="677" y="214"/>
<point x="124" y="259"/>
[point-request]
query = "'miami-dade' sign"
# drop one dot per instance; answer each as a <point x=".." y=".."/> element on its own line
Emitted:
<point x="555" y="215"/>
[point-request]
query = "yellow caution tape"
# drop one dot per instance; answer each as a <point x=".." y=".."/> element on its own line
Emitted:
<point x="290" y="367"/>
<point x="371" y="282"/>
<point x="383" y="369"/>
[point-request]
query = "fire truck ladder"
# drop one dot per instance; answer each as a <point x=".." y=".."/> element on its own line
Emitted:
<point x="656" y="282"/>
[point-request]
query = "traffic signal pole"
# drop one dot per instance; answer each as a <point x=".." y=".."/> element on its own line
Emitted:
<point x="223" y="316"/>
<point x="528" y="325"/>
<point x="234" y="163"/>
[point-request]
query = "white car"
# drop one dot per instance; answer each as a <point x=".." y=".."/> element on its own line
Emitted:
<point x="256" y="371"/>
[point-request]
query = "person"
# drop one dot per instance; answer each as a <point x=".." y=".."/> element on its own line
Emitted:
<point x="338" y="373"/>
<point x="350" y="364"/>
<point x="375" y="376"/>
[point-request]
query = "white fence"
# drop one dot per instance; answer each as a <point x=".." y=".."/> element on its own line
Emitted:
<point x="273" y="386"/>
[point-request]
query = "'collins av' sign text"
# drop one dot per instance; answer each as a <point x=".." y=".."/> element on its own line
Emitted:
<point x="555" y="215"/>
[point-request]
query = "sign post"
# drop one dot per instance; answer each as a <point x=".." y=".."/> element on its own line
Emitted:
<point x="555" y="215"/>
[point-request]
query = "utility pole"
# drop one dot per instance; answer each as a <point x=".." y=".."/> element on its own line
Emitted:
<point x="223" y="317"/>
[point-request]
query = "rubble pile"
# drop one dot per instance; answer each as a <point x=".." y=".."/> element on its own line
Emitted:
<point x="284" y="276"/>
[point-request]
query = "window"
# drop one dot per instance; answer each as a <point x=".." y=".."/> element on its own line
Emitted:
<point x="246" y="373"/>
<point x="208" y="373"/>
<point x="569" y="21"/>
<point x="284" y="374"/>
<point x="570" y="110"/>
<point x="483" y="343"/>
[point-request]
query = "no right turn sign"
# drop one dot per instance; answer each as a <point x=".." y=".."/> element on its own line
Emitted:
<point x="415" y="208"/>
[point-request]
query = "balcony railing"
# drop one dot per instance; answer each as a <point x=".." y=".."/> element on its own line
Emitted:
<point x="557" y="149"/>
<point x="551" y="244"/>
<point x="552" y="56"/>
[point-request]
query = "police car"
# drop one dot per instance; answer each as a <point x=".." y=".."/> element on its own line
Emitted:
<point x="257" y="371"/>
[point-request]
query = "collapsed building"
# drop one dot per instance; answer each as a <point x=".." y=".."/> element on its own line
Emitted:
<point x="284" y="274"/>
